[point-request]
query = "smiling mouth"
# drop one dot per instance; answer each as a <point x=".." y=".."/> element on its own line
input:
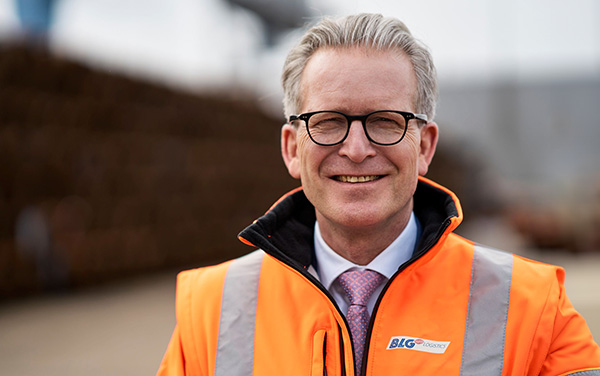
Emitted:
<point x="357" y="179"/>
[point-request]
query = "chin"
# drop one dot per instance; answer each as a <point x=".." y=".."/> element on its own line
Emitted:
<point x="358" y="217"/>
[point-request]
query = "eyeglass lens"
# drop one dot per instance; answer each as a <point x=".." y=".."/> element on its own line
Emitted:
<point x="382" y="127"/>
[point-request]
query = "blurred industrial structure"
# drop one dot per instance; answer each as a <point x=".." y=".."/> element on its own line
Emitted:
<point x="36" y="16"/>
<point x="277" y="16"/>
<point x="538" y="145"/>
<point x="102" y="176"/>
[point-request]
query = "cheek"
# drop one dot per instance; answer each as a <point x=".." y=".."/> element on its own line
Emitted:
<point x="313" y="158"/>
<point x="309" y="154"/>
<point x="412" y="136"/>
<point x="304" y="145"/>
<point x="303" y="141"/>
<point x="411" y="146"/>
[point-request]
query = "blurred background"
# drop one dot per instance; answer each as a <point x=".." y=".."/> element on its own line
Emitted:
<point x="137" y="138"/>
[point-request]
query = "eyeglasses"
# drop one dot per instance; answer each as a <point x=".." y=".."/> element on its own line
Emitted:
<point x="328" y="128"/>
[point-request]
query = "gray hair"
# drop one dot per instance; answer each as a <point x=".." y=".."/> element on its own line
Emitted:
<point x="362" y="30"/>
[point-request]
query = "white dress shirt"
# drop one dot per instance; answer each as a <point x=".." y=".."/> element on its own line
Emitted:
<point x="329" y="265"/>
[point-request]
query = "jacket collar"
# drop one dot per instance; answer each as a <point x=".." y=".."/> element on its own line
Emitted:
<point x="286" y="230"/>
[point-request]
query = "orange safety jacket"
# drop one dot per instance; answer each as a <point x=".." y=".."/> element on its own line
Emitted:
<point x="455" y="308"/>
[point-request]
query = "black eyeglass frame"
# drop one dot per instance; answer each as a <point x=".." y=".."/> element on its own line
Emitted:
<point x="363" y="119"/>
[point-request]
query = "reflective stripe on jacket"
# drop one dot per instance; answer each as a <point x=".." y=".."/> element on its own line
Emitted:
<point x="455" y="308"/>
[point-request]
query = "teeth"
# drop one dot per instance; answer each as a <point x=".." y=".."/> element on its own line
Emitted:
<point x="356" y="179"/>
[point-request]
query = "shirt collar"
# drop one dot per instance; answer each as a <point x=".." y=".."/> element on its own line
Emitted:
<point x="329" y="264"/>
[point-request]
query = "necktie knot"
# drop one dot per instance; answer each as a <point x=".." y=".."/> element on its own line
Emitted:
<point x="359" y="285"/>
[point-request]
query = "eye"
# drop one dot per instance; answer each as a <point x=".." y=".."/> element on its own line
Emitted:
<point x="386" y="120"/>
<point x="327" y="120"/>
<point x="382" y="119"/>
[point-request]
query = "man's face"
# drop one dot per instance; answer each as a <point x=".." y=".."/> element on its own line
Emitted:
<point x="357" y="185"/>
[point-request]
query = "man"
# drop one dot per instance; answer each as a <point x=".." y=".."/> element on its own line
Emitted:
<point x="359" y="272"/>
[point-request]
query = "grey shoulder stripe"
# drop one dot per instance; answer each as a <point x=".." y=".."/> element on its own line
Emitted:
<point x="487" y="312"/>
<point x="235" y="346"/>
<point x="586" y="373"/>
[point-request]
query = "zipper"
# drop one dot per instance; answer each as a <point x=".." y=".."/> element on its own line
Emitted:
<point x="317" y="283"/>
<point x="284" y="259"/>
<point x="402" y="267"/>
<point x="342" y="357"/>
<point x="325" y="355"/>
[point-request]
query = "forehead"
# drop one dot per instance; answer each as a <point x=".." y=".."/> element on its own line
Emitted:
<point x="358" y="80"/>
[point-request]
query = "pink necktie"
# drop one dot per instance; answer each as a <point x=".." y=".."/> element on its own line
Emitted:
<point x="359" y="286"/>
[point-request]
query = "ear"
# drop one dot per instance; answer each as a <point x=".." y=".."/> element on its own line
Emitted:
<point x="289" y="150"/>
<point x="429" y="139"/>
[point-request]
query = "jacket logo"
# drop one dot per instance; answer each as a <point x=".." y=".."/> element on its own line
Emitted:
<point x="418" y="344"/>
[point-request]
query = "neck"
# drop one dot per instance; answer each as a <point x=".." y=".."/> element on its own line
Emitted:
<point x="360" y="245"/>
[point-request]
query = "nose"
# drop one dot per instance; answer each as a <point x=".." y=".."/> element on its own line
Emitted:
<point x="357" y="146"/>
